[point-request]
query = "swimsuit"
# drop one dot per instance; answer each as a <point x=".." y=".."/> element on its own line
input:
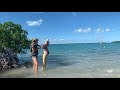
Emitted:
<point x="35" y="46"/>
<point x="44" y="46"/>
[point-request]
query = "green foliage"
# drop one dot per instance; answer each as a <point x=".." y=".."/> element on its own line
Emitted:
<point x="13" y="36"/>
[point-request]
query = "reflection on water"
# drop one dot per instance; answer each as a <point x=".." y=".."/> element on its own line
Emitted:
<point x="44" y="74"/>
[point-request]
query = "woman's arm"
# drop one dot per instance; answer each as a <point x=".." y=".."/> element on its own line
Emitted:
<point x="39" y="46"/>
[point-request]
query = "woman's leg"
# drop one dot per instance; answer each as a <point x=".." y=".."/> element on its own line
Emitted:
<point x="44" y="56"/>
<point x="35" y="65"/>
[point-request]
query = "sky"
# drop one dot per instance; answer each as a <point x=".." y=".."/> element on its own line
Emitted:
<point x="67" y="27"/>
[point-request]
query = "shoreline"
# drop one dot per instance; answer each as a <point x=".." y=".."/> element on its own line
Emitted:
<point x="18" y="68"/>
<point x="15" y="73"/>
<point x="54" y="73"/>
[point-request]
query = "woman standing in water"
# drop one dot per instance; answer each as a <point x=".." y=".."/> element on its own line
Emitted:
<point x="34" y="54"/>
<point x="45" y="53"/>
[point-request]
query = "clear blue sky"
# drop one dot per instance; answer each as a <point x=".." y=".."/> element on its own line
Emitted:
<point x="67" y="27"/>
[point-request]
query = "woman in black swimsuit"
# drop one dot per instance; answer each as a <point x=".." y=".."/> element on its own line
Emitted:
<point x="34" y="55"/>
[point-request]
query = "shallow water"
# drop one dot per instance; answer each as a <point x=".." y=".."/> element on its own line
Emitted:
<point x="74" y="61"/>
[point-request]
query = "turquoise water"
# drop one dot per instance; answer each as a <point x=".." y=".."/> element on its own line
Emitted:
<point x="79" y="61"/>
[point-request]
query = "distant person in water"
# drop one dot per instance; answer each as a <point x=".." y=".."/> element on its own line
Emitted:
<point x="45" y="53"/>
<point x="34" y="54"/>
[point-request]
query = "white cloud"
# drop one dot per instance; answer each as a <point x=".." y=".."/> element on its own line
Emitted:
<point x="99" y="30"/>
<point x="34" y="23"/>
<point x="74" y="13"/>
<point x="61" y="39"/>
<point x="87" y="30"/>
<point x="78" y="30"/>
<point x="107" y="30"/>
<point x="83" y="30"/>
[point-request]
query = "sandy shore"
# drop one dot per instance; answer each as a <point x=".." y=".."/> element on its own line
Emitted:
<point x="16" y="73"/>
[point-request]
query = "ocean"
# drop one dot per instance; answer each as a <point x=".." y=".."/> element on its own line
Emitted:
<point x="80" y="60"/>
